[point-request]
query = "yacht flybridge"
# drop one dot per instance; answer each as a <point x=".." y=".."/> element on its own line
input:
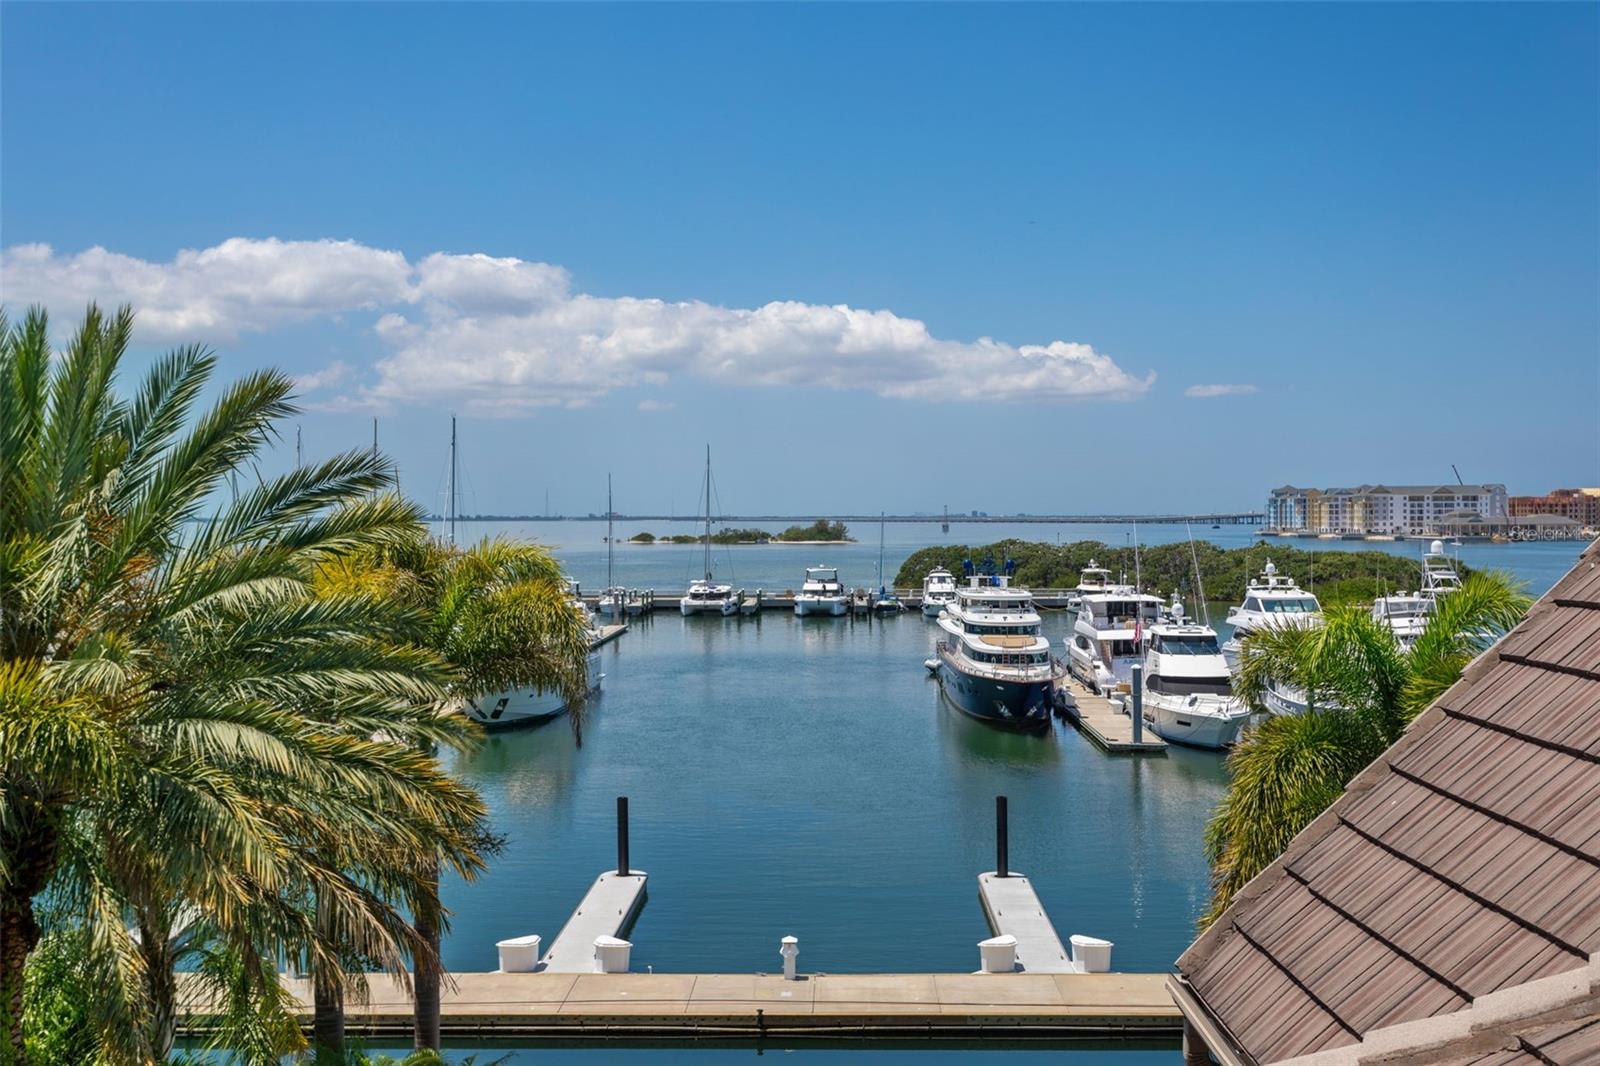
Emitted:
<point x="938" y="591"/>
<point x="1109" y="635"/>
<point x="707" y="596"/>
<point x="1407" y="613"/>
<point x="1188" y="689"/>
<point x="1271" y="601"/>
<point x="995" y="665"/>
<point x="1094" y="578"/>
<point x="821" y="594"/>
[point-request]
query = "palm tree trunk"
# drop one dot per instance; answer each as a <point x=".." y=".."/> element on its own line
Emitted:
<point x="161" y="982"/>
<point x="426" y="973"/>
<point x="32" y="851"/>
<point x="327" y="999"/>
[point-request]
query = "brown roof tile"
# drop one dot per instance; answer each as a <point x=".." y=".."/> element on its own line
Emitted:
<point x="1464" y="862"/>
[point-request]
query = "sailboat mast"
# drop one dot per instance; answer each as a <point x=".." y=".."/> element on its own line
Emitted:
<point x="610" y="535"/>
<point x="452" y="503"/>
<point x="880" y="551"/>
<point x="708" y="512"/>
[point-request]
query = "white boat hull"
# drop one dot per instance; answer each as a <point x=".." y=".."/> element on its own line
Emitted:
<point x="515" y="707"/>
<point x="931" y="608"/>
<point x="821" y="606"/>
<point x="1205" y="723"/>
<point x="721" y="607"/>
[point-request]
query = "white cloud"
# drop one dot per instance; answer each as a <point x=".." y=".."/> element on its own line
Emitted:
<point x="1206" y="392"/>
<point x="328" y="376"/>
<point x="656" y="405"/>
<point x="216" y="293"/>
<point x="505" y="335"/>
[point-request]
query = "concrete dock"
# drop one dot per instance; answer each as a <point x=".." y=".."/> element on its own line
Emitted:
<point x="1103" y="722"/>
<point x="610" y="632"/>
<point x="687" y="1006"/>
<point x="608" y="909"/>
<point x="1013" y="909"/>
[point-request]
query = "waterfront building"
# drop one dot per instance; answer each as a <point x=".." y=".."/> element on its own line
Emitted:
<point x="1446" y="907"/>
<point x="1388" y="509"/>
<point x="1580" y="505"/>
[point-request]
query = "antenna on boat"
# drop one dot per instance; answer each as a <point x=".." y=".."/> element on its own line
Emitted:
<point x="1199" y="584"/>
<point x="451" y="504"/>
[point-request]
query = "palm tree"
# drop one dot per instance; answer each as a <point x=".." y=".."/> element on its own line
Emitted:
<point x="1362" y="690"/>
<point x="499" y="614"/>
<point x="189" y="738"/>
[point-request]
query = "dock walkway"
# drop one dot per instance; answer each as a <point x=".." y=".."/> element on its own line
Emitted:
<point x="607" y="909"/>
<point x="1103" y="722"/>
<point x="1013" y="909"/>
<point x="686" y="1006"/>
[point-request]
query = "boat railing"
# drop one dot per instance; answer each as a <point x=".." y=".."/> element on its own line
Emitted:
<point x="947" y="650"/>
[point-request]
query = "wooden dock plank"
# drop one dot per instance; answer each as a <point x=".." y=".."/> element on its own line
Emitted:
<point x="1013" y="909"/>
<point x="607" y="909"/>
<point x="1103" y="722"/>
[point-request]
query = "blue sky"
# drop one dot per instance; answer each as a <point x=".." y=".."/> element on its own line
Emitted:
<point x="607" y="235"/>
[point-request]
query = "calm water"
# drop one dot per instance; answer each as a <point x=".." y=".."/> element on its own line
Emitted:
<point x="807" y="779"/>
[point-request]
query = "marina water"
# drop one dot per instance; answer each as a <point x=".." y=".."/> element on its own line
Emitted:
<point x="804" y="777"/>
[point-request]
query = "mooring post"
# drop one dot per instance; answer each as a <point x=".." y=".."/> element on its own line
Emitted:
<point x="1002" y="839"/>
<point x="622" y="836"/>
<point x="1138" y="703"/>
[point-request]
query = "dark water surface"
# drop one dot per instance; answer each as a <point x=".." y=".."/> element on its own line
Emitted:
<point x="806" y="778"/>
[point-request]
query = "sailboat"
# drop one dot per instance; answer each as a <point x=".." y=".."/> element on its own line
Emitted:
<point x="705" y="596"/>
<point x="613" y="598"/>
<point x="884" y="601"/>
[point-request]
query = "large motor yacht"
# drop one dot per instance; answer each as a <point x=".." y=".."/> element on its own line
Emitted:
<point x="938" y="591"/>
<point x="1407" y="613"/>
<point x="1188" y="691"/>
<point x="1109" y="635"/>
<point x="822" y="594"/>
<point x="1272" y="600"/>
<point x="995" y="665"/>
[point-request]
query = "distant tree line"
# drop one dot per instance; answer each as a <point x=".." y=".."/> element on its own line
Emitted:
<point x="1336" y="576"/>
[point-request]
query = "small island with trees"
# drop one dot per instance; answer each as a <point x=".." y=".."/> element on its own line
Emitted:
<point x="821" y="531"/>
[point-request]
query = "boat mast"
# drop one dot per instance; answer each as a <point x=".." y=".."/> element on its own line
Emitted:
<point x="451" y="507"/>
<point x="610" y="537"/>
<point x="880" y="551"/>
<point x="708" y="512"/>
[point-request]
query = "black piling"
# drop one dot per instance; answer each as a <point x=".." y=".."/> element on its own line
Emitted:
<point x="1002" y="838"/>
<point x="622" y="836"/>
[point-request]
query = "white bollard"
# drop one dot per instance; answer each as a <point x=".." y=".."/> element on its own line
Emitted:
<point x="998" y="954"/>
<point x="611" y="955"/>
<point x="519" y="954"/>
<point x="1091" y="954"/>
<point x="790" y="951"/>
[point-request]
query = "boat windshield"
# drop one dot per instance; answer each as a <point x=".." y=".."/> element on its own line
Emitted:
<point x="1288" y="606"/>
<point x="1191" y="686"/>
<point x="978" y="629"/>
<point x="1199" y="644"/>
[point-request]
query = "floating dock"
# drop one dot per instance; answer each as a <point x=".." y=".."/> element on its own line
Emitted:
<point x="1103" y="721"/>
<point x="690" y="1006"/>
<point x="1013" y="909"/>
<point x="610" y="632"/>
<point x="608" y="909"/>
<point x="753" y="600"/>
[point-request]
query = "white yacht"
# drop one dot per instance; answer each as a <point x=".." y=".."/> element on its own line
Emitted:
<point x="822" y="594"/>
<point x="1407" y="613"/>
<point x="996" y="666"/>
<point x="707" y="596"/>
<point x="1092" y="579"/>
<point x="1188" y="690"/>
<point x="1272" y="600"/>
<point x="1109" y="635"/>
<point x="938" y="591"/>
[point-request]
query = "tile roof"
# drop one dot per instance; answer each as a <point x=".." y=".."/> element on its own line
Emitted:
<point x="1463" y="864"/>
